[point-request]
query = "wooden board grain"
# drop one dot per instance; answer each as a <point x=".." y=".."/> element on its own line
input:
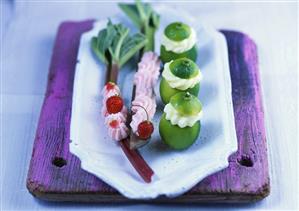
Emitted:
<point x="55" y="173"/>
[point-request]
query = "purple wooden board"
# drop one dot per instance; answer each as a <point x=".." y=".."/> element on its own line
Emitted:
<point x="55" y="173"/>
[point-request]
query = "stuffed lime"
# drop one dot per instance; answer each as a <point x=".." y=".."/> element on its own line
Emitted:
<point x="180" y="124"/>
<point x="180" y="75"/>
<point x="178" y="41"/>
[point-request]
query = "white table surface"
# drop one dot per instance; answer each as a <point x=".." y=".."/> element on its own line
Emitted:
<point x="28" y="30"/>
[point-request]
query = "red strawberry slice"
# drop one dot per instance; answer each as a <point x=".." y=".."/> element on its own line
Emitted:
<point x="110" y="86"/>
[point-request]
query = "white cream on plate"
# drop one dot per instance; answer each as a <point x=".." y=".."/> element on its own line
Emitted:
<point x="179" y="46"/>
<point x="179" y="83"/>
<point x="175" y="118"/>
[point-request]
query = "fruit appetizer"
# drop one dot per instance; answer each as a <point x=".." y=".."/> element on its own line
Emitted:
<point x="178" y="41"/>
<point x="180" y="75"/>
<point x="144" y="103"/>
<point x="180" y="123"/>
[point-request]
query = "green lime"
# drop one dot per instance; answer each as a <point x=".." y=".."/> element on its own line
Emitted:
<point x="176" y="137"/>
<point x="183" y="68"/>
<point x="186" y="104"/>
<point x="177" y="31"/>
<point x="166" y="91"/>
<point x="167" y="56"/>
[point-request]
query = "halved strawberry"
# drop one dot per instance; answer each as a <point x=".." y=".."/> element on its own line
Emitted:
<point x="114" y="104"/>
<point x="145" y="130"/>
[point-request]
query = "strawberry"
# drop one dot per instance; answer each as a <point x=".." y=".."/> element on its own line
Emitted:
<point x="110" y="86"/>
<point x="145" y="130"/>
<point x="114" y="104"/>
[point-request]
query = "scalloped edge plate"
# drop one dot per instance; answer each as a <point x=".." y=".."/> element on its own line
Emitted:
<point x="102" y="157"/>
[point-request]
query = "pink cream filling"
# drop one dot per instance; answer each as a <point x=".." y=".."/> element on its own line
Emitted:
<point x="119" y="132"/>
<point x="149" y="104"/>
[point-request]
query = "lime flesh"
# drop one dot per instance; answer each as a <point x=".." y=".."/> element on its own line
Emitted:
<point x="176" y="137"/>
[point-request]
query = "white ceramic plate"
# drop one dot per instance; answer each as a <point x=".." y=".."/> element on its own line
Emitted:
<point x="175" y="171"/>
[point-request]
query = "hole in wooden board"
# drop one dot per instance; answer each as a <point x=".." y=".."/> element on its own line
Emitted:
<point x="59" y="162"/>
<point x="245" y="161"/>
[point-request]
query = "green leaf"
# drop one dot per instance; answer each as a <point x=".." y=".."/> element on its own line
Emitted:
<point x="147" y="9"/>
<point x="120" y="34"/>
<point x="141" y="10"/>
<point x="131" y="46"/>
<point x="145" y="18"/>
<point x="111" y="32"/>
<point x="154" y="20"/>
<point x="132" y="12"/>
<point x="96" y="50"/>
<point x="113" y="45"/>
<point x="102" y="41"/>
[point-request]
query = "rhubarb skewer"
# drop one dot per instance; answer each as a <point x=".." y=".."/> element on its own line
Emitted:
<point x="114" y="47"/>
<point x="147" y="73"/>
<point x="144" y="103"/>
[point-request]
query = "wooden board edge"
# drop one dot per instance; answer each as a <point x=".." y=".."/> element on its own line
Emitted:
<point x="38" y="190"/>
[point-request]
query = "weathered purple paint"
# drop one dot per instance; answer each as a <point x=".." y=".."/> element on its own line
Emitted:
<point x="246" y="179"/>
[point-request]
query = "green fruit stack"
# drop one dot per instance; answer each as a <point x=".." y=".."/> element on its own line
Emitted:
<point x="180" y="123"/>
